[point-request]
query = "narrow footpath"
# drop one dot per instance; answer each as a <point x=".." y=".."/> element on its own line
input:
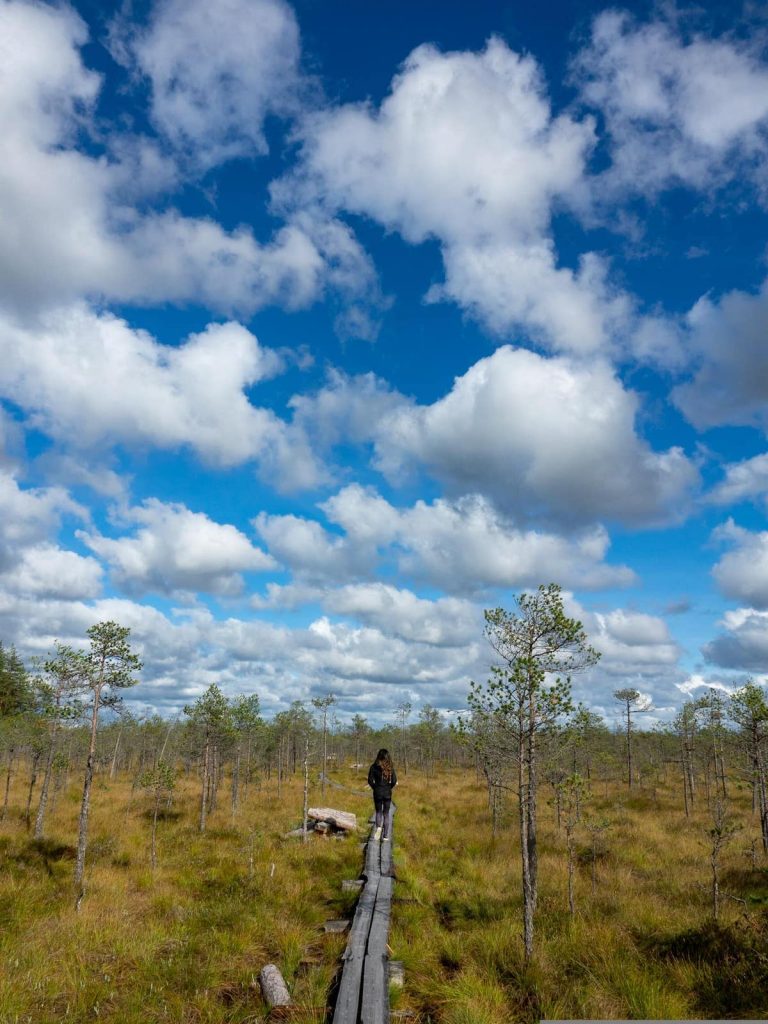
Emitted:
<point x="363" y="996"/>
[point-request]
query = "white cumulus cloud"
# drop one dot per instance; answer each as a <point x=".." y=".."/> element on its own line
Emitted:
<point x="691" y="112"/>
<point x="466" y="149"/>
<point x="90" y="380"/>
<point x="726" y="341"/>
<point x="743" y="643"/>
<point x="70" y="225"/>
<point x="462" y="546"/>
<point x="543" y="436"/>
<point x="176" y="549"/>
<point x="217" y="72"/>
<point x="742" y="573"/>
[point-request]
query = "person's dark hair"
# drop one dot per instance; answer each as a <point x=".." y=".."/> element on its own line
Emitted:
<point x="384" y="759"/>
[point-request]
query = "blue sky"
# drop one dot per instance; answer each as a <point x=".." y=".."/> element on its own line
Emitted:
<point x="324" y="327"/>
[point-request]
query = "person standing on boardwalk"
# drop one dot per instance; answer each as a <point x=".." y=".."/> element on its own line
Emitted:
<point x="382" y="778"/>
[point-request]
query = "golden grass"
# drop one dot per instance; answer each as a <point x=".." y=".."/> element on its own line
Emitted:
<point x="183" y="943"/>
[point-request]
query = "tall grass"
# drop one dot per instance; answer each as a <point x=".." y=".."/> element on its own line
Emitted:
<point x="183" y="943"/>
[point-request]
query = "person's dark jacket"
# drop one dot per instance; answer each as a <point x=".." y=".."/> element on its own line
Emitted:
<point x="382" y="790"/>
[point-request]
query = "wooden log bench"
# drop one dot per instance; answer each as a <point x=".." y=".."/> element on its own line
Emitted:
<point x="363" y="995"/>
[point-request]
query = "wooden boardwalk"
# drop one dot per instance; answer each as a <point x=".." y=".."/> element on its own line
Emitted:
<point x="363" y="996"/>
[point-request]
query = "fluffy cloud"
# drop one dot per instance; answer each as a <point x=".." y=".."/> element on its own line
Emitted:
<point x="726" y="343"/>
<point x="743" y="645"/>
<point x="542" y="436"/>
<point x="70" y="226"/>
<point x="310" y="551"/>
<point x="48" y="571"/>
<point x="346" y="410"/>
<point x="90" y="380"/>
<point x="30" y="564"/>
<point x="30" y="515"/>
<point x="637" y="649"/>
<point x="691" y="112"/>
<point x="464" y="546"/>
<point x="218" y="71"/>
<point x="184" y="652"/>
<point x="742" y="574"/>
<point x="446" y="621"/>
<point x="466" y="149"/>
<point x="175" y="549"/>
<point x="743" y="481"/>
<point x="632" y="643"/>
<point x="11" y="441"/>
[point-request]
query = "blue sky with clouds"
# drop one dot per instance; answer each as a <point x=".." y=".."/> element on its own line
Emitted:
<point x="325" y="326"/>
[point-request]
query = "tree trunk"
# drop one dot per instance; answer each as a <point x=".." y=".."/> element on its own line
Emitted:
<point x="528" y="901"/>
<point x="533" y="858"/>
<point x="204" y="795"/>
<point x="235" y="784"/>
<point x="11" y="754"/>
<point x="32" y="781"/>
<point x="41" y="807"/>
<point x="85" y="807"/>
<point x="213" y="777"/>
<point x="113" y="766"/>
<point x="325" y="757"/>
<point x="304" y="833"/>
<point x="684" y="763"/>
<point x="629" y="746"/>
<point x="571" y="899"/>
<point x="153" y="846"/>
<point x="762" y="797"/>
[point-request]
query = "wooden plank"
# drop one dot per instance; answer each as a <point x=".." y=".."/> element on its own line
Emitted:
<point x="361" y="923"/>
<point x="379" y="930"/>
<point x="385" y="861"/>
<point x="348" y="999"/>
<point x="374" y="1004"/>
<point x="372" y="857"/>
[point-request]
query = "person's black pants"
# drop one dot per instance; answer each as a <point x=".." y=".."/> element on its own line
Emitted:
<point x="382" y="805"/>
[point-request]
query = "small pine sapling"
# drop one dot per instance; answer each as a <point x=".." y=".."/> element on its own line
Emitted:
<point x="160" y="781"/>
<point x="596" y="830"/>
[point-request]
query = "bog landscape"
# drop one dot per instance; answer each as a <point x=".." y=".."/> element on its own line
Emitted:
<point x="545" y="866"/>
<point x="383" y="494"/>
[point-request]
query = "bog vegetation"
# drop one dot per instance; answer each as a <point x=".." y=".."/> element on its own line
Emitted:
<point x="547" y="865"/>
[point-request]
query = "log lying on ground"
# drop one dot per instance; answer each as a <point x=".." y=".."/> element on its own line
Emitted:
<point x="273" y="988"/>
<point x="297" y="832"/>
<point x="340" y="819"/>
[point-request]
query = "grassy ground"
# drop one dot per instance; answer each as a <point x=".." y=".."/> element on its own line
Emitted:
<point x="184" y="942"/>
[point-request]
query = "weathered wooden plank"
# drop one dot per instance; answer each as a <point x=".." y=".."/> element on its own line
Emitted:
<point x="379" y="929"/>
<point x="373" y="857"/>
<point x="361" y="922"/>
<point x="385" y="858"/>
<point x="374" y="1003"/>
<point x="348" y="999"/>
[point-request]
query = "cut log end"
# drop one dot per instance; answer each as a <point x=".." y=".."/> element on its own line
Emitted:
<point x="273" y="987"/>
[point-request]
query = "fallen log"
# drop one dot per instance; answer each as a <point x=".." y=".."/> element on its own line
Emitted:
<point x="339" y="819"/>
<point x="273" y="988"/>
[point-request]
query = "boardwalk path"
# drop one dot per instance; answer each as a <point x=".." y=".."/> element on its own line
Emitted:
<point x="364" y="990"/>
